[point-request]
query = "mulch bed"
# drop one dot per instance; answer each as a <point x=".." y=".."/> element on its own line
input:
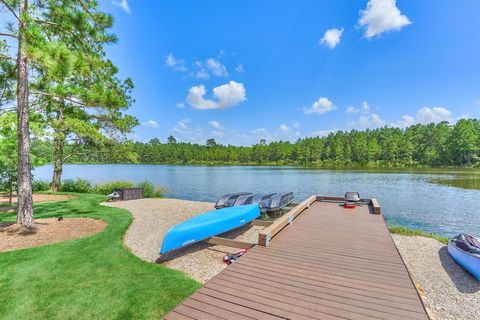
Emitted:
<point x="36" y="198"/>
<point x="46" y="231"/>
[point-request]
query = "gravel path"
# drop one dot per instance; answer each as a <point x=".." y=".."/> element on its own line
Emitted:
<point x="448" y="291"/>
<point x="152" y="218"/>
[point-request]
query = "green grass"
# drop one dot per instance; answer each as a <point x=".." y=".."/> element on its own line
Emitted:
<point x="417" y="232"/>
<point x="87" y="278"/>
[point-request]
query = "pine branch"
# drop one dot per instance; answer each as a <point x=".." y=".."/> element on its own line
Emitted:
<point x="10" y="9"/>
<point x="59" y="97"/>
<point x="63" y="28"/>
<point x="8" y="35"/>
<point x="2" y="56"/>
<point x="86" y="9"/>
<point x="73" y="154"/>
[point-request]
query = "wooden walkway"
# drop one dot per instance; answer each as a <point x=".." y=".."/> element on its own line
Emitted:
<point x="330" y="263"/>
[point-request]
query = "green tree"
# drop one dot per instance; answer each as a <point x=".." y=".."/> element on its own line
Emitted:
<point x="211" y="142"/>
<point x="8" y="153"/>
<point x="171" y="140"/>
<point x="9" y="150"/>
<point x="81" y="96"/>
<point x="464" y="143"/>
<point x="60" y="56"/>
<point x="21" y="31"/>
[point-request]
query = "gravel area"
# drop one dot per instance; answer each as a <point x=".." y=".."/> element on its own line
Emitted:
<point x="448" y="291"/>
<point x="46" y="231"/>
<point x="152" y="218"/>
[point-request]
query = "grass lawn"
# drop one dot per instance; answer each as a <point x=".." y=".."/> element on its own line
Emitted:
<point x="87" y="278"/>
<point x="416" y="232"/>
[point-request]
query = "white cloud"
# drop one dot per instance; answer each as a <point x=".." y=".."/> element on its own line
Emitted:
<point x="372" y="120"/>
<point x="180" y="105"/>
<point x="376" y="120"/>
<point x="150" y="124"/>
<point x="426" y="115"/>
<point x="351" y="110"/>
<point x="182" y="126"/>
<point x="210" y="67"/>
<point x="296" y="125"/>
<point x="364" y="108"/>
<point x="381" y="16"/>
<point x="404" y="122"/>
<point x="198" y="69"/>
<point x="214" y="124"/>
<point x="331" y="37"/>
<point x="175" y="63"/>
<point x="123" y="4"/>
<point x="321" y="106"/>
<point x="436" y="114"/>
<point x="284" y="128"/>
<point x="227" y="95"/>
<point x="239" y="68"/>
<point x="216" y="68"/>
<point x="321" y="133"/>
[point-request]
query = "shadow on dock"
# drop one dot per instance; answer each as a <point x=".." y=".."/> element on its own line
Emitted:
<point x="463" y="280"/>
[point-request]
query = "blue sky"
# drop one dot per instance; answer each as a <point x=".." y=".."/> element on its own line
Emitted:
<point x="242" y="71"/>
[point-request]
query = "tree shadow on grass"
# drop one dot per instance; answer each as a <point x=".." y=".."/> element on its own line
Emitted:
<point x="463" y="280"/>
<point x="8" y="209"/>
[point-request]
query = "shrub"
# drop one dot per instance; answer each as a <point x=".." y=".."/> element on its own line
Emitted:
<point x="84" y="186"/>
<point x="39" y="185"/>
<point x="150" y="190"/>
<point x="108" y="187"/>
<point x="78" y="185"/>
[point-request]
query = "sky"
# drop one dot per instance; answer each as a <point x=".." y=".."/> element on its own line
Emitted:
<point x="241" y="71"/>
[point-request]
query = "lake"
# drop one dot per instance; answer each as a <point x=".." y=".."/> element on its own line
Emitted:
<point x="408" y="197"/>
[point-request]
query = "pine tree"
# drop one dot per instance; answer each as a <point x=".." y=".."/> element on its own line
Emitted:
<point x="60" y="42"/>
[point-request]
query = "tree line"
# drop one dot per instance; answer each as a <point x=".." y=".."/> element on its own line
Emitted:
<point x="419" y="145"/>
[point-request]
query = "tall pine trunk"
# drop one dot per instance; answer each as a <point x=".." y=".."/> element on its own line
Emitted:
<point x="25" y="200"/>
<point x="59" y="143"/>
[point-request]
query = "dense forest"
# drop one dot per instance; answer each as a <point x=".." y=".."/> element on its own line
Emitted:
<point x="419" y="145"/>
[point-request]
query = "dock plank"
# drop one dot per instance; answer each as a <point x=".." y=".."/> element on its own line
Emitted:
<point x="328" y="263"/>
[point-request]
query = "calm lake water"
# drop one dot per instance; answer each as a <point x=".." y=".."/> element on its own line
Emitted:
<point x="409" y="197"/>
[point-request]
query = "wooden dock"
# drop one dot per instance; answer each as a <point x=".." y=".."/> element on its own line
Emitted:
<point x="320" y="261"/>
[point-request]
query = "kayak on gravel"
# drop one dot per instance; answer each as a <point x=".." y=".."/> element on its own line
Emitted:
<point x="208" y="224"/>
<point x="465" y="250"/>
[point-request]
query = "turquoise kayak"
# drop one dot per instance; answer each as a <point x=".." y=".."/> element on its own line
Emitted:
<point x="465" y="250"/>
<point x="207" y="225"/>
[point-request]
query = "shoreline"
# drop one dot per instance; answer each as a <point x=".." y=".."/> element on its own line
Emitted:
<point x="276" y="165"/>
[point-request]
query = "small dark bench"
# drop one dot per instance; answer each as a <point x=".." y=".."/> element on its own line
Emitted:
<point x="129" y="193"/>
